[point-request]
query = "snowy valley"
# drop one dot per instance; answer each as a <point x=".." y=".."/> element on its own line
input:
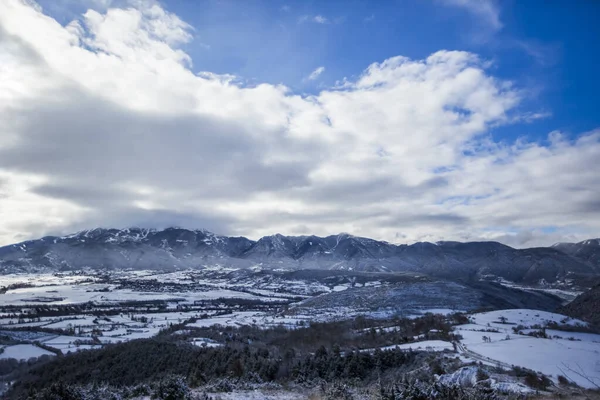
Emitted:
<point x="519" y="346"/>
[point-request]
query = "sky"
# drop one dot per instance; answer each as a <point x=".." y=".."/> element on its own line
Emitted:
<point x="405" y="121"/>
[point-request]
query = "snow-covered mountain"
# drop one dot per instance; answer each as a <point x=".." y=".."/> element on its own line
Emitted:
<point x="137" y="248"/>
<point x="587" y="250"/>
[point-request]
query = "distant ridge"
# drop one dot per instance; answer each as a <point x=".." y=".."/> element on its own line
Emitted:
<point x="140" y="248"/>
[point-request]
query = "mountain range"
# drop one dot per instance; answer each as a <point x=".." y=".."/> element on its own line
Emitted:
<point x="177" y="248"/>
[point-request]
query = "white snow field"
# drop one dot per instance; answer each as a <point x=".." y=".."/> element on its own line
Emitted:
<point x="524" y="317"/>
<point x="205" y="342"/>
<point x="83" y="293"/>
<point x="578" y="360"/>
<point x="428" y="345"/>
<point x="259" y="395"/>
<point x="576" y="355"/>
<point x="425" y="345"/>
<point x="24" y="352"/>
<point x="258" y="318"/>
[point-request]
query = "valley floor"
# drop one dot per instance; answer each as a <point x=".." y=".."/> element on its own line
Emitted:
<point x="42" y="316"/>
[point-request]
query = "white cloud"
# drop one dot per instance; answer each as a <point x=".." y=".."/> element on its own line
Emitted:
<point x="488" y="22"/>
<point x="543" y="53"/>
<point x="319" y="19"/>
<point x="316" y="73"/>
<point x="485" y="10"/>
<point x="105" y="124"/>
<point x="531" y="116"/>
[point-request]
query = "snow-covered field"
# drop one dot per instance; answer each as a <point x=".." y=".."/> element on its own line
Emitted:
<point x="565" y="293"/>
<point x="425" y="345"/>
<point x="524" y="317"/>
<point x="83" y="293"/>
<point x="577" y="359"/>
<point x="45" y="279"/>
<point x="576" y="355"/>
<point x="258" y="318"/>
<point x="24" y="352"/>
<point x="178" y="291"/>
<point x="259" y="395"/>
<point x="204" y="342"/>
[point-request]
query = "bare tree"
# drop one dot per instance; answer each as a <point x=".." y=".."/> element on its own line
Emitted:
<point x="581" y="373"/>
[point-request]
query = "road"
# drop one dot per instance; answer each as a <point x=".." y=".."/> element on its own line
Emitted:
<point x="478" y="357"/>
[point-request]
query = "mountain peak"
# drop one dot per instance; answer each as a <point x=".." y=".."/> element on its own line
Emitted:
<point x="174" y="247"/>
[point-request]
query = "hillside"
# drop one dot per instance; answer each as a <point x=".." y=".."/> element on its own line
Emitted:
<point x="585" y="306"/>
<point x="586" y="251"/>
<point x="412" y="297"/>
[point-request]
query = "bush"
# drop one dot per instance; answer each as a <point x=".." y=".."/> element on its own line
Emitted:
<point x="535" y="381"/>
<point x="482" y="374"/>
<point x="562" y="380"/>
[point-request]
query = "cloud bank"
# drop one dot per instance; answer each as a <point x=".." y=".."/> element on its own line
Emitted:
<point x="106" y="124"/>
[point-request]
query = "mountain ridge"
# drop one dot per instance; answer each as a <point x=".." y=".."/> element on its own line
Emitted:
<point x="143" y="248"/>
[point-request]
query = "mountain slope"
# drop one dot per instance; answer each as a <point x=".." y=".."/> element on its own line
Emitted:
<point x="132" y="248"/>
<point x="411" y="296"/>
<point x="587" y="251"/>
<point x="586" y="306"/>
<point x="137" y="248"/>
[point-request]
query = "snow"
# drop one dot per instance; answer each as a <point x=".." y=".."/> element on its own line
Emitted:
<point x="233" y="319"/>
<point x="24" y="352"/>
<point x="426" y="345"/>
<point x="83" y="293"/>
<point x="556" y="356"/>
<point x="588" y="337"/>
<point x="339" y="288"/>
<point x="71" y="322"/>
<point x="63" y="340"/>
<point x="258" y="395"/>
<point x="204" y="342"/>
<point x="466" y="376"/>
<point x="476" y="337"/>
<point x="552" y="357"/>
<point x="80" y="347"/>
<point x="429" y="345"/>
<point x="143" y="333"/>
<point x="43" y="279"/>
<point x="511" y="387"/>
<point x="523" y="317"/>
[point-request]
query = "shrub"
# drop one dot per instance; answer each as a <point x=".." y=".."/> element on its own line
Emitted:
<point x="535" y="381"/>
<point x="482" y="374"/>
<point x="562" y="380"/>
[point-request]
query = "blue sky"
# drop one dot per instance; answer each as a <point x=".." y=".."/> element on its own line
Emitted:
<point x="550" y="47"/>
<point x="487" y="128"/>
